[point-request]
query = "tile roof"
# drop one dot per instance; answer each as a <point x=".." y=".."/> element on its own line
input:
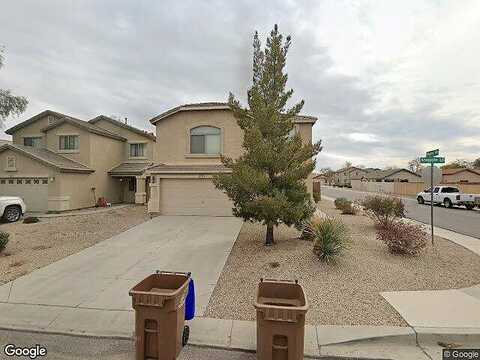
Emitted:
<point x="123" y="125"/>
<point x="84" y="125"/>
<point x="175" y="169"/>
<point x="130" y="168"/>
<point x="21" y="125"/>
<point x="48" y="157"/>
<point x="457" y="170"/>
<point x="382" y="174"/>
<point x="215" y="106"/>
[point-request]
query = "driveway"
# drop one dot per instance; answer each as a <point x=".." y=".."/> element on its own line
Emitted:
<point x="88" y="292"/>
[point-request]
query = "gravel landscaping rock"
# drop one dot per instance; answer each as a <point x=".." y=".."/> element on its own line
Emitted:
<point x="346" y="293"/>
<point x="33" y="246"/>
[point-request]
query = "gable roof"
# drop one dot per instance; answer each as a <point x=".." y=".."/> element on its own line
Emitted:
<point x="123" y="125"/>
<point x="458" y="170"/>
<point x="48" y="158"/>
<point x="84" y="125"/>
<point x="216" y="106"/>
<point x="31" y="120"/>
<point x="382" y="174"/>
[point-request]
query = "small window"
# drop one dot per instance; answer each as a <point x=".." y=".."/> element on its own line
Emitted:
<point x="11" y="163"/>
<point x="28" y="181"/>
<point x="10" y="181"/>
<point x="137" y="150"/>
<point x="436" y="190"/>
<point x="68" y="142"/>
<point x="45" y="181"/>
<point x="205" y="140"/>
<point x="36" y="181"/>
<point x="32" y="141"/>
<point x="2" y="181"/>
<point x="19" y="181"/>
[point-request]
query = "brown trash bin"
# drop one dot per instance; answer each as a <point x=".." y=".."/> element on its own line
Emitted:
<point x="281" y="307"/>
<point x="159" y="303"/>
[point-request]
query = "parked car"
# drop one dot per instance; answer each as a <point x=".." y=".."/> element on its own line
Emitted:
<point x="449" y="196"/>
<point x="12" y="208"/>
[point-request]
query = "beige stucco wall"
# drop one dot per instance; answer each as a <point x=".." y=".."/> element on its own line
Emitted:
<point x="461" y="176"/>
<point x="106" y="154"/>
<point x="131" y="137"/>
<point x="82" y="155"/>
<point x="25" y="166"/>
<point x="34" y="129"/>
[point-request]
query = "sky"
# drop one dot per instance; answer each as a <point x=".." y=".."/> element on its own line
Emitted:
<point x="388" y="80"/>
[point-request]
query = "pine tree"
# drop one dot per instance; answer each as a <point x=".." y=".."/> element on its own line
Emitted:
<point x="267" y="182"/>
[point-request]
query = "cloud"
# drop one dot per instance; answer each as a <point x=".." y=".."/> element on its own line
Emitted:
<point x="387" y="80"/>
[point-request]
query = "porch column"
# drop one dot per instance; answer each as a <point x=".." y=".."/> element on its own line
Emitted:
<point x="154" y="201"/>
<point x="140" y="194"/>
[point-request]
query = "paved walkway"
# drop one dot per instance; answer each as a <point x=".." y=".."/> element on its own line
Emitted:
<point x="88" y="291"/>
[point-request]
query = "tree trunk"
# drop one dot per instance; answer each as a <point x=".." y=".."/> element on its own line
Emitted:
<point x="269" y="237"/>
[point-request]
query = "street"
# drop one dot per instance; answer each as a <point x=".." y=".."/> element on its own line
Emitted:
<point x="461" y="220"/>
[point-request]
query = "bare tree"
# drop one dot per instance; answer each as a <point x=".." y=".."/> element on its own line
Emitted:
<point x="415" y="165"/>
<point x="9" y="103"/>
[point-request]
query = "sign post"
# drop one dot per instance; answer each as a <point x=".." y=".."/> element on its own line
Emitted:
<point x="432" y="158"/>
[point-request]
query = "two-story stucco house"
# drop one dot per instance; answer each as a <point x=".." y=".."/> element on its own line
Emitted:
<point x="190" y="139"/>
<point x="57" y="162"/>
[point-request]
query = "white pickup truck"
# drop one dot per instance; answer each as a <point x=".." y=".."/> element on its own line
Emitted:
<point x="449" y="196"/>
<point x="12" y="208"/>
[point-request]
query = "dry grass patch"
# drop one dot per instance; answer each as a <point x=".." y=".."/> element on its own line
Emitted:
<point x="51" y="239"/>
<point x="346" y="293"/>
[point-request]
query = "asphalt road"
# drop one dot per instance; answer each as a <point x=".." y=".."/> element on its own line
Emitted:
<point x="63" y="347"/>
<point x="461" y="220"/>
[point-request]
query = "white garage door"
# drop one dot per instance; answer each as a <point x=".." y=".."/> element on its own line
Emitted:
<point x="193" y="197"/>
<point x="34" y="191"/>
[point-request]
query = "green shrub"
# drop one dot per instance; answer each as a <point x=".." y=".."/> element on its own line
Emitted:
<point x="330" y="239"/>
<point x="384" y="210"/>
<point x="346" y="206"/>
<point x="31" y="220"/>
<point x="340" y="203"/>
<point x="4" y="238"/>
<point x="402" y="238"/>
<point x="316" y="196"/>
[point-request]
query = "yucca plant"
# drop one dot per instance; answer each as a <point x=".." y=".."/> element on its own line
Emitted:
<point x="330" y="239"/>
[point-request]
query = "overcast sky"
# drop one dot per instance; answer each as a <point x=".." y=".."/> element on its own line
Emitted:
<point x="388" y="80"/>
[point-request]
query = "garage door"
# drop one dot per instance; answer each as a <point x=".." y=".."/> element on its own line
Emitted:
<point x="193" y="197"/>
<point x="34" y="191"/>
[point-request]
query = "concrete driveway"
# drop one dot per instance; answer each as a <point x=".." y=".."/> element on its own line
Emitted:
<point x="88" y="292"/>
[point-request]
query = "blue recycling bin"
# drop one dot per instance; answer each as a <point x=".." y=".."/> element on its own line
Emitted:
<point x="190" y="302"/>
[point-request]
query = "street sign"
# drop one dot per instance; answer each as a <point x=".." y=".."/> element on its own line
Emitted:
<point x="432" y="160"/>
<point x="433" y="153"/>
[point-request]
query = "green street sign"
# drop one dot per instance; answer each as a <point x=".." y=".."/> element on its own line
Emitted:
<point x="433" y="153"/>
<point x="432" y="160"/>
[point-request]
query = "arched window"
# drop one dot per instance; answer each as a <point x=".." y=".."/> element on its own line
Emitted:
<point x="205" y="140"/>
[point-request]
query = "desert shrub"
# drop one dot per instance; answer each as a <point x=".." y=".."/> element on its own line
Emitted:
<point x="4" y="238"/>
<point x="402" y="238"/>
<point x="316" y="196"/>
<point x="31" y="220"/>
<point x="340" y="203"/>
<point x="330" y="239"/>
<point x="384" y="210"/>
<point x="346" y="206"/>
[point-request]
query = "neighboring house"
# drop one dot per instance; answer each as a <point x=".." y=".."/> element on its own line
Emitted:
<point x="190" y="140"/>
<point x="391" y="175"/>
<point x="321" y="178"/>
<point x="3" y="142"/>
<point x="460" y="175"/>
<point x="56" y="162"/>
<point x="343" y="177"/>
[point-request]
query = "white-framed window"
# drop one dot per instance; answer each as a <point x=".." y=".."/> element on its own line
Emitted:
<point x="11" y="163"/>
<point x="205" y="140"/>
<point x="34" y="141"/>
<point x="137" y="150"/>
<point x="68" y="142"/>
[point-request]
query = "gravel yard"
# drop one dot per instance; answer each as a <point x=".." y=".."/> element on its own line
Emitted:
<point x="346" y="293"/>
<point x="33" y="246"/>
